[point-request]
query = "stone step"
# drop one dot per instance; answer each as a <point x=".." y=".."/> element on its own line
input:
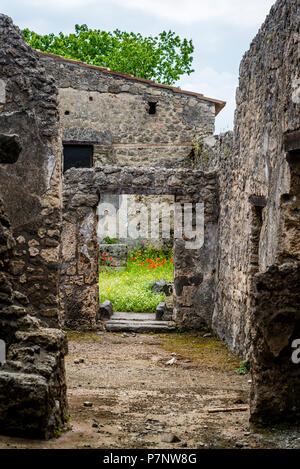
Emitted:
<point x="134" y="316"/>
<point x="139" y="326"/>
<point x="125" y="321"/>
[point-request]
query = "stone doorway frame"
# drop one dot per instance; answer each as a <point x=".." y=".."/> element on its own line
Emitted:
<point x="194" y="270"/>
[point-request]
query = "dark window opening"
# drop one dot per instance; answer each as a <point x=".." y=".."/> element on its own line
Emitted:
<point x="152" y="108"/>
<point x="91" y="98"/>
<point x="67" y="113"/>
<point x="78" y="156"/>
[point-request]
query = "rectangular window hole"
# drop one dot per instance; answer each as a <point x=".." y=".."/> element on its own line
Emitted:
<point x="152" y="107"/>
<point x="78" y="156"/>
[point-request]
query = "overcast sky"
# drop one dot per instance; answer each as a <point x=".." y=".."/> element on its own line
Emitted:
<point x="221" y="31"/>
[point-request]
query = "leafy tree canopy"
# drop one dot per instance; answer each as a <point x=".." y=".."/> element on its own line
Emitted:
<point x="163" y="58"/>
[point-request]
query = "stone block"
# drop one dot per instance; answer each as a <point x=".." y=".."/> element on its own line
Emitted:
<point x="162" y="286"/>
<point x="105" y="310"/>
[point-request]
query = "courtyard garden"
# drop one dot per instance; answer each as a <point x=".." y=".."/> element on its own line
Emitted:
<point x="130" y="290"/>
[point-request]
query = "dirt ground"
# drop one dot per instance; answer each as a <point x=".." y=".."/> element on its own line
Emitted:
<point x="136" y="398"/>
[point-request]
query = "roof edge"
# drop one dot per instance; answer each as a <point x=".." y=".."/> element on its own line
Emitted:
<point x="219" y="105"/>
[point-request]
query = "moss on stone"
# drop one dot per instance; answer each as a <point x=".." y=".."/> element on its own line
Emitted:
<point x="211" y="351"/>
<point x="79" y="336"/>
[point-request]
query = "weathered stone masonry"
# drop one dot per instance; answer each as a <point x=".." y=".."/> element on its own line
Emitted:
<point x="257" y="166"/>
<point x="111" y="111"/>
<point x="31" y="188"/>
<point x="32" y="381"/>
<point x="275" y="319"/>
<point x="257" y="308"/>
<point x="194" y="270"/>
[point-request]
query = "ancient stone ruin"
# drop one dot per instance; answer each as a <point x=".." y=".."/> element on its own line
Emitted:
<point x="72" y="133"/>
<point x="193" y="269"/>
<point x="32" y="378"/>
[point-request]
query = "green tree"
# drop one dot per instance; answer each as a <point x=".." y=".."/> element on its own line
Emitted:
<point x="163" y="58"/>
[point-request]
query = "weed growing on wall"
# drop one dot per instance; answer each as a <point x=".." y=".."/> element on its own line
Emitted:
<point x="244" y="368"/>
<point x="200" y="155"/>
<point x="108" y="240"/>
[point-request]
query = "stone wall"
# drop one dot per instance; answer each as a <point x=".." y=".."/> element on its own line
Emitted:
<point x="275" y="320"/>
<point x="113" y="256"/>
<point x="257" y="307"/>
<point x="31" y="188"/>
<point x="194" y="270"/>
<point x="32" y="380"/>
<point x="255" y="177"/>
<point x="111" y="111"/>
<point x="158" y="205"/>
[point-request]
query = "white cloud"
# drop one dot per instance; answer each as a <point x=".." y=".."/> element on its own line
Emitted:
<point x="236" y="12"/>
<point x="214" y="84"/>
<point x="61" y="4"/>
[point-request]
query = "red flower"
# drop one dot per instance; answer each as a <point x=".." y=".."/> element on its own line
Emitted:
<point x="115" y="262"/>
<point x="110" y="259"/>
<point x="134" y="258"/>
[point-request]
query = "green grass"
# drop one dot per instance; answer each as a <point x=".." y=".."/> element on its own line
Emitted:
<point x="130" y="290"/>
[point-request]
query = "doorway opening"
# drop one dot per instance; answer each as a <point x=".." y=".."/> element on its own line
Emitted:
<point x="135" y="236"/>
